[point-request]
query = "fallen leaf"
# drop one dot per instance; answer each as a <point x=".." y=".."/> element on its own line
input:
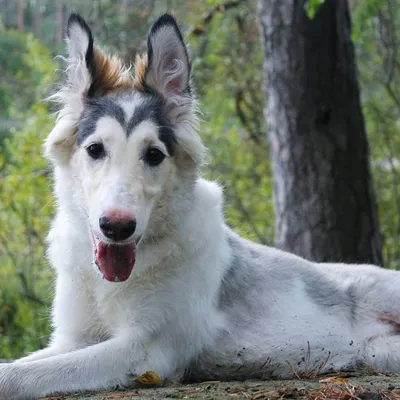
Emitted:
<point x="149" y="378"/>
<point x="334" y="379"/>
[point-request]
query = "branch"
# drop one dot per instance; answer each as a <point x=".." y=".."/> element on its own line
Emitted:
<point x="239" y="102"/>
<point x="247" y="216"/>
<point x="28" y="293"/>
<point x="199" y="29"/>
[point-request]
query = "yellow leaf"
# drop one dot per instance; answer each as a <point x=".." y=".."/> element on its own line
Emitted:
<point x="149" y="378"/>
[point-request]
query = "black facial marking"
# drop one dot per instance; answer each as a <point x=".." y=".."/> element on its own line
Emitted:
<point x="167" y="136"/>
<point x="89" y="56"/>
<point x="150" y="109"/>
<point x="144" y="111"/>
<point x="153" y="109"/>
<point x="104" y="107"/>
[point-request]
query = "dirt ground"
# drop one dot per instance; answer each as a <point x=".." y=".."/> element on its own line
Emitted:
<point x="339" y="387"/>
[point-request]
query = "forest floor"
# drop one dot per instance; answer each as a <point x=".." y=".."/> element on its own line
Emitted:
<point x="338" y="387"/>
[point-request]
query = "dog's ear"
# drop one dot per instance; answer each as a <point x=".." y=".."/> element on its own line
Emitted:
<point x="90" y="73"/>
<point x="166" y="69"/>
<point x="60" y="142"/>
<point x="168" y="63"/>
<point x="81" y="64"/>
<point x="73" y="94"/>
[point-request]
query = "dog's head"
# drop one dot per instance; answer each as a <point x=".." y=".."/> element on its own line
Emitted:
<point x="127" y="141"/>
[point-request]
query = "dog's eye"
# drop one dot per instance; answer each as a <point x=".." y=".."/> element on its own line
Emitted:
<point x="154" y="156"/>
<point x="96" y="150"/>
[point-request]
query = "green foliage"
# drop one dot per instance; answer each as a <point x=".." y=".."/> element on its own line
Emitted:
<point x="234" y="129"/>
<point x="25" y="209"/>
<point x="363" y="16"/>
<point x="312" y="6"/>
<point x="25" y="68"/>
<point x="376" y="31"/>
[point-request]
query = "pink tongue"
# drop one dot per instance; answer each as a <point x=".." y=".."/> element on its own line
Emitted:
<point x="116" y="262"/>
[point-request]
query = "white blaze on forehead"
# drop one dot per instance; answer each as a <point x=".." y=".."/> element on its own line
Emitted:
<point x="129" y="105"/>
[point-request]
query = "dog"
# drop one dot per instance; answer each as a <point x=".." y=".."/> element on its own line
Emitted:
<point x="149" y="276"/>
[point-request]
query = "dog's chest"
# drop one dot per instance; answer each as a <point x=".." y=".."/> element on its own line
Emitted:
<point x="117" y="306"/>
<point x="138" y="303"/>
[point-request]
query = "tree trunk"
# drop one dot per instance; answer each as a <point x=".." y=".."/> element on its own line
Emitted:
<point x="20" y="15"/>
<point x="37" y="21"/>
<point x="325" y="205"/>
<point x="60" y="24"/>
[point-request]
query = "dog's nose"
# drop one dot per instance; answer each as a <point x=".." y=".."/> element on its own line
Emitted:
<point x="117" y="227"/>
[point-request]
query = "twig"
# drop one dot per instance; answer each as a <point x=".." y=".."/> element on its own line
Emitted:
<point x="209" y="15"/>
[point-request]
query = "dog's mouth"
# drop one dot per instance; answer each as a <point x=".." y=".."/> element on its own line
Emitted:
<point x="115" y="261"/>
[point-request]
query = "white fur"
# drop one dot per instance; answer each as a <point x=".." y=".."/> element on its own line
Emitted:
<point x="201" y="302"/>
<point x="79" y="78"/>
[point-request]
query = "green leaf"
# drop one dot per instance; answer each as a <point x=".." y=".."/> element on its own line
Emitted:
<point x="312" y="6"/>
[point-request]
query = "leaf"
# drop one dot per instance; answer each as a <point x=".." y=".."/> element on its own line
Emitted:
<point x="312" y="6"/>
<point x="149" y="378"/>
<point x="334" y="379"/>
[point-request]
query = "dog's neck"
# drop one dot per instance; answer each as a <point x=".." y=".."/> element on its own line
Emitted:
<point x="190" y="209"/>
<point x="193" y="227"/>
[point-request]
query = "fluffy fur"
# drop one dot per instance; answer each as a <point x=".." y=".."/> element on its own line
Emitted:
<point x="201" y="302"/>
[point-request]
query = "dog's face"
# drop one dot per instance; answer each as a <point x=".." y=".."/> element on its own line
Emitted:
<point x="124" y="162"/>
<point x="128" y="142"/>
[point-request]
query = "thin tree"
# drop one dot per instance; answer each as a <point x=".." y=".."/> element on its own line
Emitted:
<point x="325" y="205"/>
<point x="20" y="15"/>
<point x="60" y="23"/>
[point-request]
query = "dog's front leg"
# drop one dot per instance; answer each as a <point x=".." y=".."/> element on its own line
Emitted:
<point x="102" y="366"/>
<point x="47" y="352"/>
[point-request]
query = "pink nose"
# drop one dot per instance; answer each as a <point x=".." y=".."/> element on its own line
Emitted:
<point x="117" y="225"/>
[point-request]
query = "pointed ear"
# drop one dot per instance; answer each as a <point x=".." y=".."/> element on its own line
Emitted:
<point x="72" y="96"/>
<point x="168" y="67"/>
<point x="81" y="65"/>
<point x="90" y="73"/>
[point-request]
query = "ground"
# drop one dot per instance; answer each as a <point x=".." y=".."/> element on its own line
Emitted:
<point x="339" y="387"/>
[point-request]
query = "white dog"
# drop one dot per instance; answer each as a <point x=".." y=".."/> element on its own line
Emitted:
<point x="149" y="277"/>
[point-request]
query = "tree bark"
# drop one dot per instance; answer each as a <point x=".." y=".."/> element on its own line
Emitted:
<point x="325" y="205"/>
<point x="60" y="24"/>
<point x="20" y="15"/>
<point x="37" y="21"/>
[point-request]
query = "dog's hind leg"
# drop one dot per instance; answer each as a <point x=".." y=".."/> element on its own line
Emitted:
<point x="383" y="353"/>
